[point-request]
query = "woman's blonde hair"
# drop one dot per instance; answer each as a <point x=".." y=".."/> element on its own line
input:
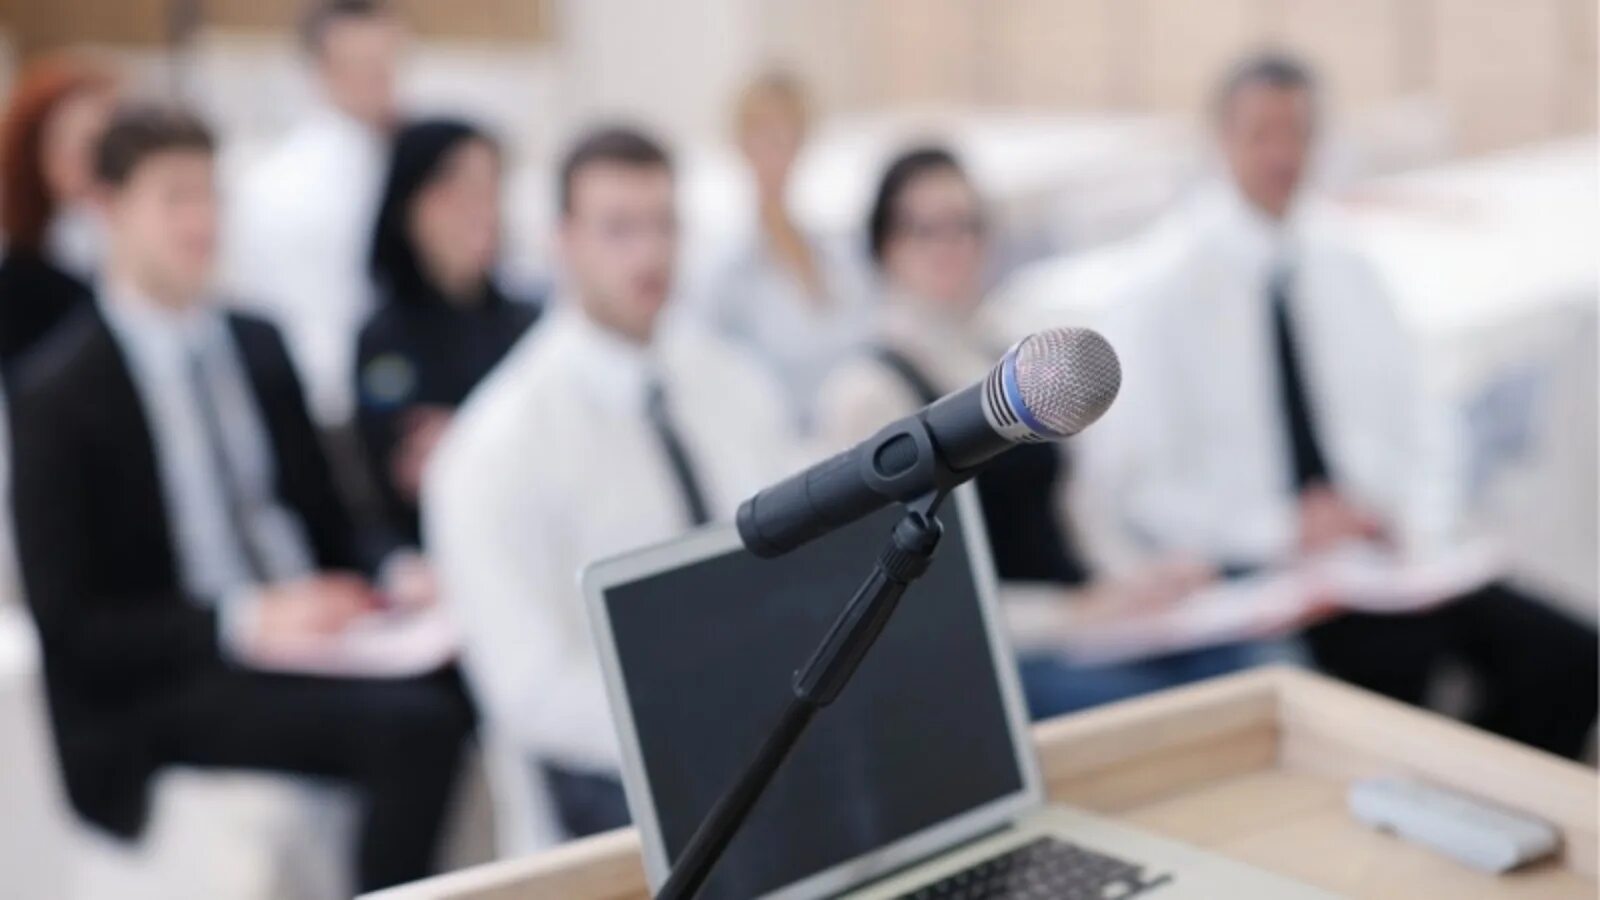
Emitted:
<point x="771" y="89"/>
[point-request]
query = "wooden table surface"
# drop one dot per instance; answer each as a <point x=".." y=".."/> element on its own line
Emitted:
<point x="1296" y="824"/>
<point x="1252" y="766"/>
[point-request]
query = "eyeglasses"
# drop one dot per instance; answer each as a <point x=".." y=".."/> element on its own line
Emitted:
<point x="948" y="228"/>
<point x="629" y="229"/>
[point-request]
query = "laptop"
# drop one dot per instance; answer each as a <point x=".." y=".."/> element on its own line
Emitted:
<point x="920" y="781"/>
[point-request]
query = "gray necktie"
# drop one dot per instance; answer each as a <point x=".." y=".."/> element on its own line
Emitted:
<point x="233" y="492"/>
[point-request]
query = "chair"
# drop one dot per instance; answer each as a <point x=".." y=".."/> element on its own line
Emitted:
<point x="227" y="835"/>
<point x="524" y="816"/>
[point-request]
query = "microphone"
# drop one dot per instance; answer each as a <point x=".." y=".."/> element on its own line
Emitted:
<point x="1050" y="385"/>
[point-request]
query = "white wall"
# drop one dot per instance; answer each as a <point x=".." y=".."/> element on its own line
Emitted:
<point x="671" y="65"/>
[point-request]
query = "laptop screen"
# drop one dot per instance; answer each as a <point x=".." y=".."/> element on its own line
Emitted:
<point x="706" y="652"/>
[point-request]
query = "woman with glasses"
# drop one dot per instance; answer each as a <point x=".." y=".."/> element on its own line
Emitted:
<point x="928" y="237"/>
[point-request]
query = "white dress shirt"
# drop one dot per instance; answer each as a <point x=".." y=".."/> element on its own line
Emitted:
<point x="552" y="465"/>
<point x="10" y="576"/>
<point x="299" y="233"/>
<point x="160" y="345"/>
<point x="1194" y="455"/>
<point x="759" y="303"/>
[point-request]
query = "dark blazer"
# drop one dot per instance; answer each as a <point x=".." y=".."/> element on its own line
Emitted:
<point x="424" y="352"/>
<point x="35" y="297"/>
<point x="121" y="640"/>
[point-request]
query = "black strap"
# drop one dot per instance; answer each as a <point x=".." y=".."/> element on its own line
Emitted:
<point x="1309" y="465"/>
<point x="233" y="499"/>
<point x="694" y="499"/>
<point x="908" y="372"/>
<point x="1027" y="537"/>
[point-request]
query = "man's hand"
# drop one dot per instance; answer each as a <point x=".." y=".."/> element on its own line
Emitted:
<point x="422" y="430"/>
<point x="1327" y="519"/>
<point x="311" y="607"/>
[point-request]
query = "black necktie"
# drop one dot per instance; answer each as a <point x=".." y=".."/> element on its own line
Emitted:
<point x="694" y="499"/>
<point x="1310" y="467"/>
<point x="232" y="490"/>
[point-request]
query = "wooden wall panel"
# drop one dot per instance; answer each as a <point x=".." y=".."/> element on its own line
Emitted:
<point x="252" y="15"/>
<point x="1051" y="53"/>
<point x="1181" y="46"/>
<point x="926" y="51"/>
<point x="500" y="20"/>
<point x="1580" y="80"/>
<point x="41" y="24"/>
<point x="1358" y="45"/>
<point x="1499" y="67"/>
<point x="828" y="43"/>
<point x="1504" y="72"/>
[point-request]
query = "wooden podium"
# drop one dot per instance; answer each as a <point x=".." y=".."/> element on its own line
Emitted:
<point x="1252" y="766"/>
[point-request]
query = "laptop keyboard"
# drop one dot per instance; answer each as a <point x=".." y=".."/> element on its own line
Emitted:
<point x="1046" y="869"/>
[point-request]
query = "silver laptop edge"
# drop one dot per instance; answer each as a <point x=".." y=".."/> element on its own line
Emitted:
<point x="715" y="541"/>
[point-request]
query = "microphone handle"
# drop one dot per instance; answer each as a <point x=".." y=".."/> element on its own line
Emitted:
<point x="963" y="435"/>
<point x="806" y="505"/>
<point x="936" y="449"/>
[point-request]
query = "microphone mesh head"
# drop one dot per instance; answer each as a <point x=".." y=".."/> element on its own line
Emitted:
<point x="1067" y="378"/>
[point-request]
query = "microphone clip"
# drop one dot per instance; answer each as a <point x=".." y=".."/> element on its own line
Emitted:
<point x="902" y="461"/>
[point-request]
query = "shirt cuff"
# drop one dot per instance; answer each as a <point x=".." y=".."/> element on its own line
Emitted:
<point x="395" y="563"/>
<point x="398" y="575"/>
<point x="237" y="618"/>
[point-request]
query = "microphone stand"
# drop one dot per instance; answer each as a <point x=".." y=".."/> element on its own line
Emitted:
<point x="904" y="559"/>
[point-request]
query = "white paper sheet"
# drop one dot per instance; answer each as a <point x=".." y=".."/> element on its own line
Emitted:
<point x="1355" y="577"/>
<point x="395" y="644"/>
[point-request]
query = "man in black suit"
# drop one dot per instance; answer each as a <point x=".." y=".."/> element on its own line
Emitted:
<point x="176" y="520"/>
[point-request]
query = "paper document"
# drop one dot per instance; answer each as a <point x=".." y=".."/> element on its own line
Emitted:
<point x="1366" y="578"/>
<point x="1355" y="577"/>
<point x="392" y="644"/>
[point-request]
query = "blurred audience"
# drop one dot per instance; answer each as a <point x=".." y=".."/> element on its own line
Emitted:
<point x="177" y="522"/>
<point x="180" y="519"/>
<point x="304" y="215"/>
<point x="1272" y="414"/>
<point x="443" y="321"/>
<point x="796" y="301"/>
<point x="928" y="234"/>
<point x="53" y="243"/>
<point x="602" y="432"/>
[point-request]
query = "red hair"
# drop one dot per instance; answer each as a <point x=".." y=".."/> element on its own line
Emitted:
<point x="25" y="202"/>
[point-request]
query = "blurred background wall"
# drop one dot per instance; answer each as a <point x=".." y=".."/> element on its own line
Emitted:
<point x="1505" y="72"/>
<point x="1080" y="115"/>
<point x="1500" y="72"/>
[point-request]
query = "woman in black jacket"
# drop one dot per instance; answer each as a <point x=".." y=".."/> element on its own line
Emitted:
<point x="442" y="322"/>
<point x="52" y="124"/>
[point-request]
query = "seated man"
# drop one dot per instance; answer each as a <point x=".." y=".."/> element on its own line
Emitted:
<point x="176" y="520"/>
<point x="1270" y="414"/>
<point x="603" y="431"/>
<point x="300" y="226"/>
